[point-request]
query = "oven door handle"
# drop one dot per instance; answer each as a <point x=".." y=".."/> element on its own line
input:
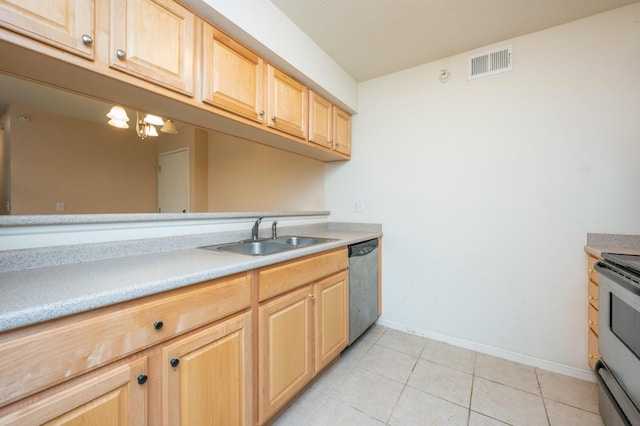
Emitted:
<point x="618" y="397"/>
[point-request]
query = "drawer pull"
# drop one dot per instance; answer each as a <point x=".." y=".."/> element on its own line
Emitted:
<point x="142" y="379"/>
<point x="174" y="362"/>
<point x="591" y="322"/>
<point x="158" y="325"/>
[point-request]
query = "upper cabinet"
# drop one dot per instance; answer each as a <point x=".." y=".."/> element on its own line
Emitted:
<point x="320" y="120"/>
<point x="233" y="76"/>
<point x="149" y="54"/>
<point x="154" y="40"/>
<point x="329" y="126"/>
<point x="341" y="131"/>
<point x="287" y="102"/>
<point x="65" y="24"/>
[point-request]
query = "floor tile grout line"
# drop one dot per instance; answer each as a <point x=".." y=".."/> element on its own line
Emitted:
<point x="544" y="404"/>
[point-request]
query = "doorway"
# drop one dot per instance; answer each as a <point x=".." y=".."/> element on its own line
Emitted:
<point x="173" y="181"/>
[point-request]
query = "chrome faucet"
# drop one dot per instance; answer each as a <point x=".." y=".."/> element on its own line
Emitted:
<point x="254" y="230"/>
<point x="274" y="231"/>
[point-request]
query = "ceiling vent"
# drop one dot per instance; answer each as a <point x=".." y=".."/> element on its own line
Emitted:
<point x="491" y="62"/>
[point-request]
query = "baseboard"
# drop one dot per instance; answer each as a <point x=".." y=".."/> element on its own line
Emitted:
<point x="490" y="350"/>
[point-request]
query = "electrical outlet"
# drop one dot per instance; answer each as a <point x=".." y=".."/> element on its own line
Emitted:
<point x="59" y="206"/>
<point x="358" y="206"/>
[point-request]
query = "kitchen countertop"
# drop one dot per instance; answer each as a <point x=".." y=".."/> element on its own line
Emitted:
<point x="34" y="295"/>
<point x="612" y="243"/>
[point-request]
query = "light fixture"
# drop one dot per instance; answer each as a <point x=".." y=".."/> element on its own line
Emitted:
<point x="118" y="117"/>
<point x="145" y="127"/>
<point x="169" y="127"/>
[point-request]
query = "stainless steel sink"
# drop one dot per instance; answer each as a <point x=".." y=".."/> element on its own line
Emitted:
<point x="252" y="248"/>
<point x="270" y="246"/>
<point x="302" y="241"/>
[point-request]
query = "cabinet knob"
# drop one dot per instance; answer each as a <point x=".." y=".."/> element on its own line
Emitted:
<point x="591" y="271"/>
<point x="121" y="54"/>
<point x="592" y="298"/>
<point x="87" y="39"/>
<point x="142" y="379"/>
<point x="592" y="356"/>
<point x="312" y="296"/>
<point x="591" y="322"/>
<point x="261" y="113"/>
<point x="158" y="325"/>
<point x="273" y="118"/>
<point x="174" y="362"/>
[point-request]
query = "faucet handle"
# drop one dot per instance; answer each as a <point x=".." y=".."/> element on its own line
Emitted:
<point x="274" y="231"/>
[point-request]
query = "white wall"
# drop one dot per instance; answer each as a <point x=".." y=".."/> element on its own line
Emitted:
<point x="486" y="189"/>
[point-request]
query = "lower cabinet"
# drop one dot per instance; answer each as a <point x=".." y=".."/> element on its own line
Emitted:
<point x="300" y="333"/>
<point x="206" y="377"/>
<point x="114" y="395"/>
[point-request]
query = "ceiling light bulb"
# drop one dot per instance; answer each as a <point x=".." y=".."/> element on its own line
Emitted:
<point x="169" y="127"/>
<point x="151" y="130"/>
<point x="120" y="124"/>
<point x="153" y="119"/>
<point x="118" y="113"/>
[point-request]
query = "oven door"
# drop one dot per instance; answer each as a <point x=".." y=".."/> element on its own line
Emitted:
<point x="619" y="340"/>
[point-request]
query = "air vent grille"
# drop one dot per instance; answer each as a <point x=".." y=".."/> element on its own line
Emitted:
<point x="491" y="62"/>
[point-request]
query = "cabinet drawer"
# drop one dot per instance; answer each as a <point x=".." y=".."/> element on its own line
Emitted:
<point x="593" y="274"/>
<point x="594" y="355"/>
<point x="284" y="277"/>
<point x="593" y="294"/>
<point x="41" y="355"/>
<point x="593" y="318"/>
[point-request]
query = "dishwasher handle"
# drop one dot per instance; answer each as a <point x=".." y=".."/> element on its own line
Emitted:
<point x="363" y="249"/>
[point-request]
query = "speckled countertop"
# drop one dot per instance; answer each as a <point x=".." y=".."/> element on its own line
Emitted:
<point x="39" y="294"/>
<point x="612" y="243"/>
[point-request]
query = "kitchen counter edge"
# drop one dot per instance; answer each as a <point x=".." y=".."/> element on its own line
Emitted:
<point x="36" y="295"/>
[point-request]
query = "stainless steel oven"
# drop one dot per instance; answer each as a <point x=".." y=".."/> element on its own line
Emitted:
<point x="618" y="370"/>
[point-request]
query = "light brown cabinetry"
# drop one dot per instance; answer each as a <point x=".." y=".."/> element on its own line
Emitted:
<point x="51" y="355"/>
<point x="329" y="126"/>
<point x="233" y="76"/>
<point x="65" y="24"/>
<point x="287" y="102"/>
<point x="207" y="378"/>
<point x="320" y="120"/>
<point x="146" y="54"/>
<point x="113" y="395"/>
<point x="341" y="131"/>
<point x="154" y="40"/>
<point x="303" y="325"/>
<point x="592" y="312"/>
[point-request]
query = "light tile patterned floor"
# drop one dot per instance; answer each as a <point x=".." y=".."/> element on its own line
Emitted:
<point x="392" y="378"/>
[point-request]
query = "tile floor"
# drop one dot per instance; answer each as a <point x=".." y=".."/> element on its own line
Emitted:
<point x="393" y="378"/>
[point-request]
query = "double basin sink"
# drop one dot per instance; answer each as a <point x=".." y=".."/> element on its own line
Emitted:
<point x="269" y="246"/>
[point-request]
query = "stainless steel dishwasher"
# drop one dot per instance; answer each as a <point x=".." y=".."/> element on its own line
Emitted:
<point x="363" y="287"/>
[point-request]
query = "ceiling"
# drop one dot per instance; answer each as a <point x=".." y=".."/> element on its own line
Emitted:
<point x="370" y="38"/>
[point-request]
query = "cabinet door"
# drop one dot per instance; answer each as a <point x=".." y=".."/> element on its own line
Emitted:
<point x="341" y="131"/>
<point x="331" y="313"/>
<point x="287" y="103"/>
<point x="320" y="120"/>
<point x="65" y="24"/>
<point x="233" y="76"/>
<point x="207" y="376"/>
<point x="286" y="344"/>
<point x="115" y="396"/>
<point x="154" y="40"/>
